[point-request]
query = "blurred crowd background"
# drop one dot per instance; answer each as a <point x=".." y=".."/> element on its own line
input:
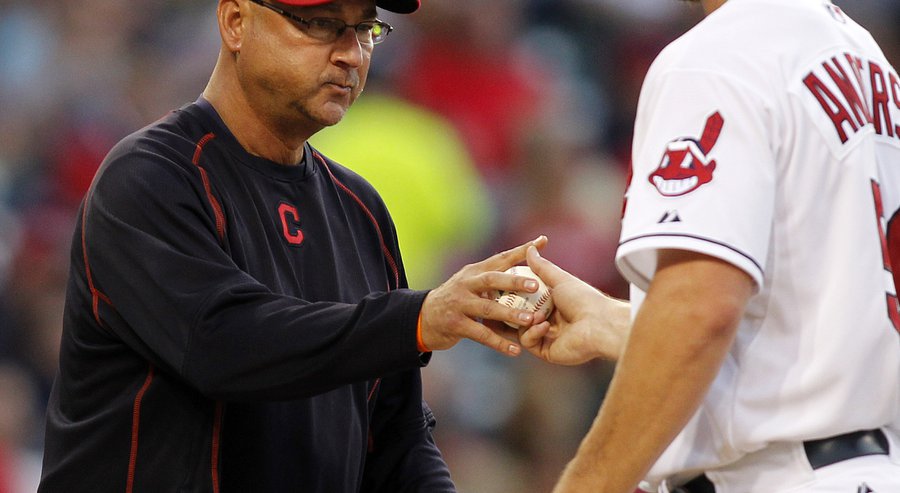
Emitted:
<point x="485" y="123"/>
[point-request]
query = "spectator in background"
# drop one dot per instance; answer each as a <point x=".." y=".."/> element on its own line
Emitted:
<point x="466" y="66"/>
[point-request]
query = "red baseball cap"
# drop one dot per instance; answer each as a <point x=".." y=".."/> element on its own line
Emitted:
<point x="398" y="6"/>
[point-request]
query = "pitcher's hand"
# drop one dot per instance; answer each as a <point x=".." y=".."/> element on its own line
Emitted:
<point x="585" y="324"/>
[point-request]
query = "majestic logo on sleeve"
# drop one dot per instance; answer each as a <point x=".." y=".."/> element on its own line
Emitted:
<point x="686" y="165"/>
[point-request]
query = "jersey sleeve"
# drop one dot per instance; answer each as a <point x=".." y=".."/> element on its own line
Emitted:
<point x="167" y="288"/>
<point x="702" y="174"/>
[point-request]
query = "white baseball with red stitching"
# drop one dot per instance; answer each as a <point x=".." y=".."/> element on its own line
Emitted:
<point x="539" y="301"/>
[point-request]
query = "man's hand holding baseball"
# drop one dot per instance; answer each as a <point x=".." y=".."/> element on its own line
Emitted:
<point x="462" y="306"/>
<point x="585" y="324"/>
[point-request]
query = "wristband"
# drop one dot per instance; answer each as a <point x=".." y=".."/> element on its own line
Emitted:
<point x="419" y="342"/>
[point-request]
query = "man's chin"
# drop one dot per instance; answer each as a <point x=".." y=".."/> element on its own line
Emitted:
<point x="331" y="115"/>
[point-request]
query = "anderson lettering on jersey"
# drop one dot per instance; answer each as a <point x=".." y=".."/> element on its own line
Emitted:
<point x="843" y="84"/>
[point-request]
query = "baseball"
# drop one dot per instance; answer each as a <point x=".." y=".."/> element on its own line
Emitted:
<point x="539" y="301"/>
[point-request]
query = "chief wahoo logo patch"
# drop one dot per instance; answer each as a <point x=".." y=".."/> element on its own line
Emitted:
<point x="686" y="165"/>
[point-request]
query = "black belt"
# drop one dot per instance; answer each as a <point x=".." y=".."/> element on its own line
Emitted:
<point x="820" y="453"/>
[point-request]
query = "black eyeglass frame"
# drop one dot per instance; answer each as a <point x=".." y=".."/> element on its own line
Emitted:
<point x="338" y="32"/>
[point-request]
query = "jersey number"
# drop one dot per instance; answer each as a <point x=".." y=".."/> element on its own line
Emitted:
<point x="893" y="305"/>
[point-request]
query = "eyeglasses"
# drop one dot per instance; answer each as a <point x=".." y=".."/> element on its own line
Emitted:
<point x="328" y="30"/>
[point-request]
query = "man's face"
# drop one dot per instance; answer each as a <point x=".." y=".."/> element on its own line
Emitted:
<point x="292" y="79"/>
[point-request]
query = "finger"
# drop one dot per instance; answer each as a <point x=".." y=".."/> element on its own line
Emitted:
<point x="540" y="242"/>
<point x="539" y="316"/>
<point x="492" y="281"/>
<point x="486" y="337"/>
<point x="550" y="273"/>
<point x="503" y="330"/>
<point x="506" y="259"/>
<point x="533" y="337"/>
<point x="491" y="310"/>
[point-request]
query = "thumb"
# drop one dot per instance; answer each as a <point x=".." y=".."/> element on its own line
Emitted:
<point x="550" y="273"/>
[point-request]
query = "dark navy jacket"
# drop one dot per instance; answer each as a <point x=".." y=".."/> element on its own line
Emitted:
<point x="236" y="325"/>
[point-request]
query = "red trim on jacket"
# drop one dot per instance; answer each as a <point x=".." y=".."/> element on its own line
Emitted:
<point x="214" y="452"/>
<point x="384" y="248"/>
<point x="135" y="429"/>
<point x="217" y="208"/>
<point x="96" y="295"/>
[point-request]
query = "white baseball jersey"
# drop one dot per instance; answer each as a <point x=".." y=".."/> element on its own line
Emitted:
<point x="769" y="136"/>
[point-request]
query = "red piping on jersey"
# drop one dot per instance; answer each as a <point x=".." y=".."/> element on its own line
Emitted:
<point x="370" y="437"/>
<point x="96" y="295"/>
<point x="384" y="248"/>
<point x="374" y="387"/>
<point x="135" y="429"/>
<point x="214" y="452"/>
<point x="217" y="208"/>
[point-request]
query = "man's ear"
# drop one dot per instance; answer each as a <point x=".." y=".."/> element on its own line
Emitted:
<point x="231" y="23"/>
